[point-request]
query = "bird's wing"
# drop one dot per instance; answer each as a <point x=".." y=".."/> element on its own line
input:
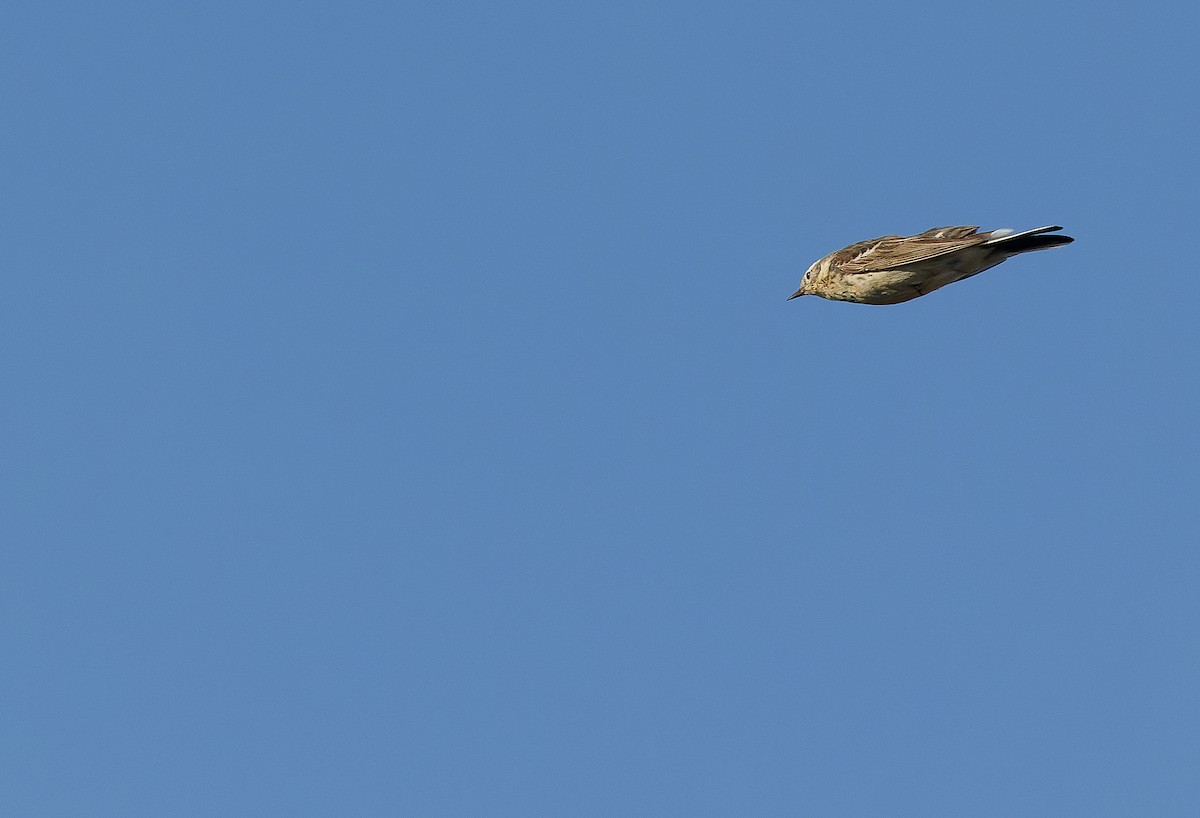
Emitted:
<point x="889" y="252"/>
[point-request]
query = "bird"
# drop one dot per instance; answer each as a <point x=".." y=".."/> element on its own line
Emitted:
<point x="895" y="269"/>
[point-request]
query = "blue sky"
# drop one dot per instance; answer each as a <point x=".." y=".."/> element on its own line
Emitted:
<point x="403" y="414"/>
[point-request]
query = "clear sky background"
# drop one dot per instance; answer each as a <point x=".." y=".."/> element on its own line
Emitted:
<point x="402" y="414"/>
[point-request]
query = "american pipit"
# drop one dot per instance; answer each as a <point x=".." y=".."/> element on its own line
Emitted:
<point x="892" y="269"/>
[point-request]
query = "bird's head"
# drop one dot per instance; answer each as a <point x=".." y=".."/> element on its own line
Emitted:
<point x="805" y="280"/>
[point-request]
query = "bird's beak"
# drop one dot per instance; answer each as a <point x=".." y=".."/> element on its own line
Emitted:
<point x="796" y="294"/>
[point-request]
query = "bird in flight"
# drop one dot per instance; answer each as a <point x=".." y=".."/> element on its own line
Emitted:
<point x="893" y="269"/>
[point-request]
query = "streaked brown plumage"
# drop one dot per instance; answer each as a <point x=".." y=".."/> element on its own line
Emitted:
<point x="893" y="269"/>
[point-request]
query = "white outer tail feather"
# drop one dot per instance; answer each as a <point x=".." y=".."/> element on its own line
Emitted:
<point x="1006" y="234"/>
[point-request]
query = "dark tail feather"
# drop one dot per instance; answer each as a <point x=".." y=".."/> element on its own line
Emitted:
<point x="1029" y="241"/>
<point x="1026" y="244"/>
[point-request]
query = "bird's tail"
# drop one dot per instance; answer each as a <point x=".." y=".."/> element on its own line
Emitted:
<point x="1028" y="241"/>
